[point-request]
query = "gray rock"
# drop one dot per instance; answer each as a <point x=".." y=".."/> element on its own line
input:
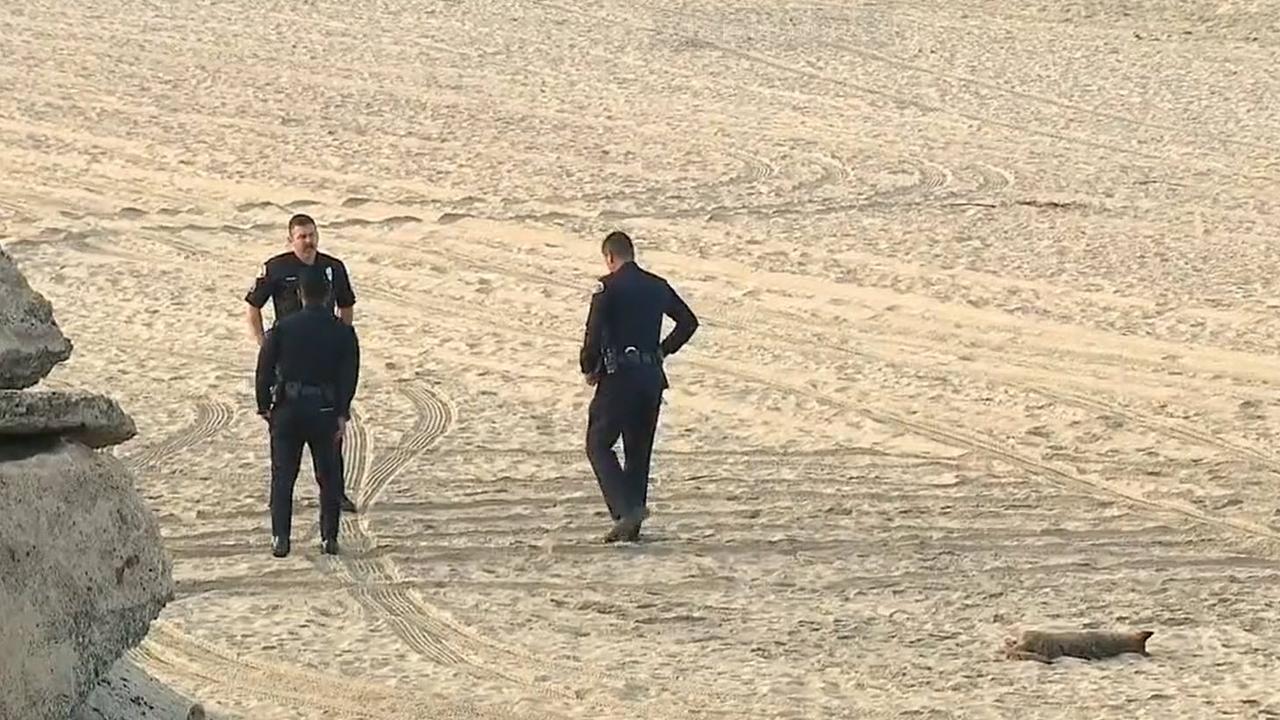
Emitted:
<point x="31" y="342"/>
<point x="83" y="572"/>
<point x="129" y="692"/>
<point x="94" y="420"/>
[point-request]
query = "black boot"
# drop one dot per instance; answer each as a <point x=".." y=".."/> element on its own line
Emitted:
<point x="280" y="546"/>
<point x="347" y="505"/>
<point x="627" y="528"/>
<point x="329" y="547"/>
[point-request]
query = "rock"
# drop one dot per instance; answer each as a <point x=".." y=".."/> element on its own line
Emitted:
<point x="129" y="692"/>
<point x="83" y="572"/>
<point x="94" y="420"/>
<point x="1048" y="645"/>
<point x="31" y="342"/>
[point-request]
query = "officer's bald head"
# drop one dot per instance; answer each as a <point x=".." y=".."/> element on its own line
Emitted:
<point x="617" y="249"/>
<point x="313" y="286"/>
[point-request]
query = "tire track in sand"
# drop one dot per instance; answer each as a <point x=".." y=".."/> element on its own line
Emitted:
<point x="386" y="594"/>
<point x="888" y="97"/>
<point x="1165" y="427"/>
<point x="174" y="655"/>
<point x="745" y="320"/>
<point x="1033" y="98"/>
<point x="211" y="418"/>
<point x="957" y="438"/>
<point x="355" y="455"/>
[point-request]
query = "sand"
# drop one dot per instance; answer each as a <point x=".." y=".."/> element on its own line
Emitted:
<point x="990" y="320"/>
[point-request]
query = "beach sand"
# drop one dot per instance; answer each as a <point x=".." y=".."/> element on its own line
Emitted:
<point x="989" y="337"/>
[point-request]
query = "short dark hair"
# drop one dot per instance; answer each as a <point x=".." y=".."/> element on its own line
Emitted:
<point x="300" y="220"/>
<point x="618" y="244"/>
<point x="313" y="286"/>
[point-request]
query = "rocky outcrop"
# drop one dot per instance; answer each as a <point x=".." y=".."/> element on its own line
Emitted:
<point x="129" y="692"/>
<point x="92" y="420"/>
<point x="31" y="343"/>
<point x="82" y="573"/>
<point x="83" y="570"/>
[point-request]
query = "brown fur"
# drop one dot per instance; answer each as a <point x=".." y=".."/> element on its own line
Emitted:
<point x="1046" y="645"/>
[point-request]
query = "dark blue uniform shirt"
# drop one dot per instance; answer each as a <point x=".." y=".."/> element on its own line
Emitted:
<point x="627" y="310"/>
<point x="312" y="347"/>
<point x="278" y="282"/>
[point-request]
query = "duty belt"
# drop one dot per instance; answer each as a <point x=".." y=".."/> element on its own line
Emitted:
<point x="294" y="390"/>
<point x="632" y="356"/>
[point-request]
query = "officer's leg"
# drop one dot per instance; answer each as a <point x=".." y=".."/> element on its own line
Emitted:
<point x="339" y="466"/>
<point x="321" y="439"/>
<point x="340" y="472"/>
<point x="286" y="455"/>
<point x="604" y="426"/>
<point x="271" y="445"/>
<point x="637" y="439"/>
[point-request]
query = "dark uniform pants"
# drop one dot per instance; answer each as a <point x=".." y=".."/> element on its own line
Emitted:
<point x="339" y="467"/>
<point x="293" y="425"/>
<point x="316" y="463"/>
<point x="627" y="405"/>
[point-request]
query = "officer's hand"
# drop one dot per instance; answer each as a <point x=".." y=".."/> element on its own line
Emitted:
<point x="592" y="379"/>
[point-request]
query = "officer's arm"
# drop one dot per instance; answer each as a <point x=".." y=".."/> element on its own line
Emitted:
<point x="257" y="296"/>
<point x="265" y="376"/>
<point x="686" y="322"/>
<point x="592" y="343"/>
<point x="348" y="374"/>
<point x="343" y="296"/>
<point x="255" y="324"/>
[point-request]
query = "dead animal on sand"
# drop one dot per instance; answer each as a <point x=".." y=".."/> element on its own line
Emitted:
<point x="1047" y="645"/>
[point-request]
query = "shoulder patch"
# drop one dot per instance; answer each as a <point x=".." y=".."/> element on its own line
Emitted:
<point x="599" y="288"/>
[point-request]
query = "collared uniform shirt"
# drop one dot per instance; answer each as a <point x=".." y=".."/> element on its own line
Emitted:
<point x="310" y="347"/>
<point x="626" y="311"/>
<point x="277" y="281"/>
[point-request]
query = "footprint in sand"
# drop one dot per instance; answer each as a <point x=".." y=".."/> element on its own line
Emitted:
<point x="1251" y="410"/>
<point x="1113" y="422"/>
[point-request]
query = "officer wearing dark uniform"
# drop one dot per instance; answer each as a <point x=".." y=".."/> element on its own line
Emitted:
<point x="622" y="355"/>
<point x="278" y="281"/>
<point x="307" y="372"/>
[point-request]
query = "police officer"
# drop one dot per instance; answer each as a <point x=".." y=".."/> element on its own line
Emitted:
<point x="308" y="367"/>
<point x="278" y="281"/>
<point x="622" y="355"/>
